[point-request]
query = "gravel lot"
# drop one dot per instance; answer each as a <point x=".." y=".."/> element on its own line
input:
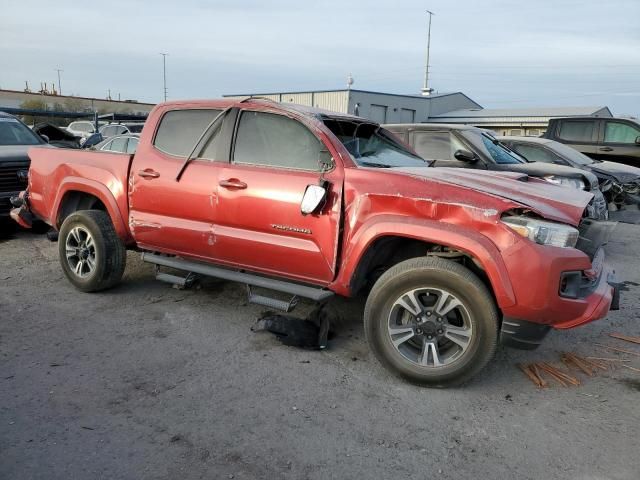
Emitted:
<point x="149" y="382"/>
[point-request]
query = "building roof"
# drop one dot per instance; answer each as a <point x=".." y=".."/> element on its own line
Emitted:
<point x="527" y="112"/>
<point x="433" y="95"/>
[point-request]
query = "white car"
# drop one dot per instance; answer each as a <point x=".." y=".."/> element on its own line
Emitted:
<point x="82" y="129"/>
<point x="113" y="129"/>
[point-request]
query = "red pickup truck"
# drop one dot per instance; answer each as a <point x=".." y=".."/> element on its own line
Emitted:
<point x="313" y="203"/>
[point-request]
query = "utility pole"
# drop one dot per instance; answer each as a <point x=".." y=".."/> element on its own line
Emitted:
<point x="59" y="84"/>
<point x="164" y="73"/>
<point x="425" y="89"/>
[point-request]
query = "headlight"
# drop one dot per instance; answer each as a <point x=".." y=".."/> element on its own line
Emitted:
<point x="565" y="182"/>
<point x="543" y="232"/>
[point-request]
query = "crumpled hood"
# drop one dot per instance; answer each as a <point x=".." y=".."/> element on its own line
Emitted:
<point x="541" y="169"/>
<point x="550" y="201"/>
<point x="619" y="171"/>
<point x="14" y="153"/>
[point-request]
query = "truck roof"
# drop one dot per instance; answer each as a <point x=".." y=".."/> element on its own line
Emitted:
<point x="318" y="113"/>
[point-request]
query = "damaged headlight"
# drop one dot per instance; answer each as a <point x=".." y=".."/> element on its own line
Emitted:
<point x="565" y="182"/>
<point x="543" y="232"/>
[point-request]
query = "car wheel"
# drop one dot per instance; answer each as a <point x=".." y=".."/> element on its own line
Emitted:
<point x="431" y="321"/>
<point x="92" y="255"/>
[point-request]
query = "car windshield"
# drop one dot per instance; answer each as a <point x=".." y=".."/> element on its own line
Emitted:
<point x="12" y="132"/>
<point x="372" y="146"/>
<point x="135" y="128"/>
<point x="573" y="156"/>
<point x="492" y="148"/>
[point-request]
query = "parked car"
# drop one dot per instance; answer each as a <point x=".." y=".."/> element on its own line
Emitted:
<point x="620" y="183"/>
<point x="15" y="139"/>
<point x="613" y="139"/>
<point x="119" y="143"/>
<point x="55" y="136"/>
<point x="82" y="129"/>
<point x="112" y="129"/>
<point x="313" y="203"/>
<point x="463" y="146"/>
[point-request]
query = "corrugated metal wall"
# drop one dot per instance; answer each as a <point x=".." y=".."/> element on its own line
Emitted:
<point x="334" y="101"/>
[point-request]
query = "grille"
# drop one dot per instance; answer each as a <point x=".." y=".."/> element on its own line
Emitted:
<point x="9" y="181"/>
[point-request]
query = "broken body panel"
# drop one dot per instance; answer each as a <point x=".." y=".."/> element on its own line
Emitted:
<point x="248" y="217"/>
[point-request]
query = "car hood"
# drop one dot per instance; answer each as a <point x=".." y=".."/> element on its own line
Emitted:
<point x="14" y="153"/>
<point x="541" y="169"/>
<point x="620" y="172"/>
<point x="550" y="201"/>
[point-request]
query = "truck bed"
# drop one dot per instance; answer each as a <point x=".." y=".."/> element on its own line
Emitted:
<point x="57" y="172"/>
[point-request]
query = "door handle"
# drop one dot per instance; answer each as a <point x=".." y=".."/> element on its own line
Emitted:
<point x="605" y="149"/>
<point x="233" y="183"/>
<point x="148" y="173"/>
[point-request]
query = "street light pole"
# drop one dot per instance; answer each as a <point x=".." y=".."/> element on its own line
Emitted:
<point x="59" y="84"/>
<point x="425" y="89"/>
<point x="164" y="73"/>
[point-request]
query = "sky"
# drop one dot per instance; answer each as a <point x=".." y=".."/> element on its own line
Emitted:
<point x="503" y="54"/>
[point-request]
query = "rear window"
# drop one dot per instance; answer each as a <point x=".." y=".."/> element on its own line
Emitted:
<point x="179" y="130"/>
<point x="575" y="131"/>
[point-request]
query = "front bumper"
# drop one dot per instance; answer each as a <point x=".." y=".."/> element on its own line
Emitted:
<point x="543" y="301"/>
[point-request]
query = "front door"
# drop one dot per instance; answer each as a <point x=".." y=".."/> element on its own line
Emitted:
<point x="441" y="147"/>
<point x="259" y="225"/>
<point x="619" y="142"/>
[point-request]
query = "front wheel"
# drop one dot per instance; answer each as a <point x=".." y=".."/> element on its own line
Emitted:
<point x="431" y="321"/>
<point x="91" y="254"/>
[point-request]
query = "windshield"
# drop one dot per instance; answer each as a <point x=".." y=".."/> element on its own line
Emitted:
<point x="492" y="148"/>
<point x="12" y="132"/>
<point x="135" y="128"/>
<point x="573" y="156"/>
<point x="372" y="146"/>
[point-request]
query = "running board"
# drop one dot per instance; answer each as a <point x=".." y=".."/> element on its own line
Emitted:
<point x="285" y="306"/>
<point x="314" y="293"/>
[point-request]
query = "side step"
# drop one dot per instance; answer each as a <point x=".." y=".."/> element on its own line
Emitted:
<point x="272" y="302"/>
<point x="314" y="293"/>
<point x="175" y="280"/>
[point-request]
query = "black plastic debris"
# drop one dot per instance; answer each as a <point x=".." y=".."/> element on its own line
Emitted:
<point x="312" y="333"/>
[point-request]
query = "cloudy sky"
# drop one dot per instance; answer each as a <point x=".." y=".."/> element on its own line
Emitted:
<point x="500" y="53"/>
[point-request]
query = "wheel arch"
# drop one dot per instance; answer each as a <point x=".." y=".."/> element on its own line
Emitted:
<point x="82" y="194"/>
<point x="411" y="239"/>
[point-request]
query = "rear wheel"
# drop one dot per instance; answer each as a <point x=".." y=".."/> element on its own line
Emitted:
<point x="431" y="321"/>
<point x="91" y="254"/>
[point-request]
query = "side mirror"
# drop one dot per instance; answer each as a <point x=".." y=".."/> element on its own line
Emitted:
<point x="45" y="138"/>
<point x="638" y="140"/>
<point x="465" y="156"/>
<point x="313" y="199"/>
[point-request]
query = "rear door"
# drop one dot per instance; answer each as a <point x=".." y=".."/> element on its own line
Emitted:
<point x="581" y="134"/>
<point x="259" y="225"/>
<point x="618" y="142"/>
<point x="170" y="215"/>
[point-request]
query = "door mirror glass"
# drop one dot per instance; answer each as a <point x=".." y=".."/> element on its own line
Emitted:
<point x="313" y="199"/>
<point x="465" y="156"/>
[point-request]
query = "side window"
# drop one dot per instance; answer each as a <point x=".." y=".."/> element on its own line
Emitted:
<point x="534" y="154"/>
<point x="210" y="150"/>
<point x="618" y="132"/>
<point x="576" y="131"/>
<point x="119" y="144"/>
<point x="275" y="140"/>
<point x="132" y="145"/>
<point x="107" y="146"/>
<point x="179" y="130"/>
<point x="436" y="145"/>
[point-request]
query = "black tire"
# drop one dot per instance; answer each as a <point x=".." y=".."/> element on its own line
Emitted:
<point x="7" y="227"/>
<point x="109" y="257"/>
<point x="444" y="276"/>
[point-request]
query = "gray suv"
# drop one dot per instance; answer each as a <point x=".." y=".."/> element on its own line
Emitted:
<point x="613" y="139"/>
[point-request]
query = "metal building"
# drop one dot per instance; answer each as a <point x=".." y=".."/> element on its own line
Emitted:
<point x="376" y="106"/>
<point x="516" y="121"/>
